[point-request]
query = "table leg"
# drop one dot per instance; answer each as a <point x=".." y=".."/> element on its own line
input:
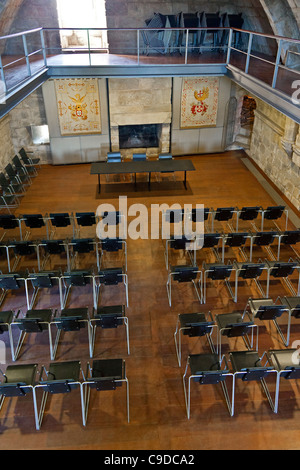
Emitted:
<point x="149" y="181"/>
<point x="99" y="185"/>
<point x="185" y="180"/>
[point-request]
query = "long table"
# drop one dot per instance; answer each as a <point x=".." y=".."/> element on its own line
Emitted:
<point x="147" y="166"/>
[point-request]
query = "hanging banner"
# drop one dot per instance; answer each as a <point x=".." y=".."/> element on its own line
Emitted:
<point x="199" y="102"/>
<point x="78" y="106"/>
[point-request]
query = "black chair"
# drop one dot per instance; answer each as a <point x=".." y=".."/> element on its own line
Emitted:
<point x="73" y="319"/>
<point x="23" y="249"/>
<point x="76" y="278"/>
<point x="262" y="239"/>
<point x="247" y="213"/>
<point x="6" y="319"/>
<point x="193" y="325"/>
<point x="111" y="277"/>
<point x="222" y="214"/>
<point x="182" y="243"/>
<point x="28" y="159"/>
<point x="18" y="381"/>
<point x="60" y="378"/>
<point x="42" y="280"/>
<point x="286" y="362"/>
<point x="247" y="271"/>
<point x="34" y="321"/>
<point x="12" y="281"/>
<point x="30" y="170"/>
<point x="215" y="272"/>
<point x="52" y="248"/>
<point x="84" y="219"/>
<point x="9" y="202"/>
<point x="268" y="310"/>
<point x="113" y="245"/>
<point x="11" y="187"/>
<point x="273" y="213"/>
<point x="288" y="238"/>
<point x="16" y="176"/>
<point x="183" y="274"/>
<point x="282" y="270"/>
<point x="103" y="375"/>
<point x="247" y="366"/>
<point x="110" y="317"/>
<point x="83" y="246"/>
<point x="60" y="220"/>
<point x="33" y="221"/>
<point x="170" y="217"/>
<point x="113" y="220"/>
<point x="234" y="240"/>
<point x="232" y="325"/>
<point x="206" y="369"/>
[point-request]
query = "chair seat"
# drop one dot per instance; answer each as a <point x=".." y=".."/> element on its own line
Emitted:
<point x="42" y="315"/>
<point x="81" y="312"/>
<point x="110" y="310"/>
<point x="200" y="363"/>
<point x="23" y="373"/>
<point x="108" y="368"/>
<point x="187" y="318"/>
<point x="249" y="363"/>
<point x="282" y="358"/>
<point x="225" y="319"/>
<point x="6" y="317"/>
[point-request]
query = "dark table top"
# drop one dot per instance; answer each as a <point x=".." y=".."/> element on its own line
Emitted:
<point x="147" y="166"/>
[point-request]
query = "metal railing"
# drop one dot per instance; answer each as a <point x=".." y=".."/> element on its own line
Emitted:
<point x="272" y="59"/>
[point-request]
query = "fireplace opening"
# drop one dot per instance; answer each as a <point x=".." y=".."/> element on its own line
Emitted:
<point x="138" y="136"/>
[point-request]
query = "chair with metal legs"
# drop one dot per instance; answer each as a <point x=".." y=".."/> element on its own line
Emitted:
<point x="76" y="278"/>
<point x="103" y="375"/>
<point x="182" y="243"/>
<point x="33" y="221"/>
<point x="12" y="281"/>
<point x="247" y="366"/>
<point x="110" y="277"/>
<point x="221" y="214"/>
<point x="19" y="380"/>
<point x="23" y="249"/>
<point x="268" y="310"/>
<point x="6" y="319"/>
<point x="73" y="319"/>
<point x="34" y="321"/>
<point x="207" y="369"/>
<point x="232" y="325"/>
<point x="42" y="280"/>
<point x="293" y="304"/>
<point x="235" y="240"/>
<point x="84" y="219"/>
<point x="60" y="378"/>
<point x="113" y="245"/>
<point x="59" y="220"/>
<point x="247" y="271"/>
<point x="216" y="272"/>
<point x="262" y="240"/>
<point x="193" y="325"/>
<point x="10" y="222"/>
<point x="110" y="317"/>
<point x="51" y="249"/>
<point x="246" y="214"/>
<point x="184" y="274"/>
<point x="288" y="238"/>
<point x="286" y="362"/>
<point x="282" y="270"/>
<point x="81" y="246"/>
<point x="273" y="213"/>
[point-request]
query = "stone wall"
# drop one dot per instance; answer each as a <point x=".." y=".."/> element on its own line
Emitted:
<point x="275" y="147"/>
<point x="7" y="149"/>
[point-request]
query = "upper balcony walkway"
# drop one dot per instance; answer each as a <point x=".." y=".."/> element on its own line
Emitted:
<point x="267" y="66"/>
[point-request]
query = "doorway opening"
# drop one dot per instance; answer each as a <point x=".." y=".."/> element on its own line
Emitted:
<point x="73" y="14"/>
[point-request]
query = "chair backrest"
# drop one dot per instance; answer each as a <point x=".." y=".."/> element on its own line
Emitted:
<point x="8" y="221"/>
<point x="33" y="220"/>
<point x="251" y="270"/>
<point x="104" y="383"/>
<point x="211" y="240"/>
<point x="264" y="238"/>
<point x="24" y="156"/>
<point x="291" y="237"/>
<point x="86" y="219"/>
<point x="10" y="171"/>
<point x="233" y="330"/>
<point x="199" y="215"/>
<point x="112" y="244"/>
<point x="4" y="181"/>
<point x="60" y="219"/>
<point x="114" y="157"/>
<point x="184" y="273"/>
<point x="108" y="320"/>
<point x="14" y="389"/>
<point x="219" y="272"/>
<point x="211" y="377"/>
<point x="282" y="269"/>
<point x="113" y="217"/>
<point x="53" y="247"/>
<point x="249" y="213"/>
<point x="23" y="248"/>
<point x="44" y="280"/>
<point x="111" y="276"/>
<point x="83" y="245"/>
<point x="69" y="323"/>
<point x="17" y="162"/>
<point x="10" y="281"/>
<point x="224" y="213"/>
<point x="255" y="373"/>
<point x="179" y="243"/>
<point x="77" y="278"/>
<point x="57" y="386"/>
<point x="30" y="325"/>
<point x="236" y="239"/>
<point x="174" y="216"/>
<point x="198" y="328"/>
<point x="273" y="212"/>
<point x="270" y="312"/>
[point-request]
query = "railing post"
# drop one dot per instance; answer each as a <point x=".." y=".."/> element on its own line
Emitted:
<point x="26" y="54"/>
<point x="249" y="52"/>
<point x="277" y="63"/>
<point x="4" y="90"/>
<point x="89" y="46"/>
<point x="186" y="46"/>
<point x="138" y="46"/>
<point x="229" y="46"/>
<point x="43" y="46"/>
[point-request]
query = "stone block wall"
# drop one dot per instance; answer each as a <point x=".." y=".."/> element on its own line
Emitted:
<point x="7" y="148"/>
<point x="275" y="146"/>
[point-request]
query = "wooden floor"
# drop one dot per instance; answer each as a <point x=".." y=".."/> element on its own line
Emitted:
<point x="157" y="407"/>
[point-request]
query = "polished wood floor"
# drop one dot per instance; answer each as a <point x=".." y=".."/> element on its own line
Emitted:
<point x="158" y="418"/>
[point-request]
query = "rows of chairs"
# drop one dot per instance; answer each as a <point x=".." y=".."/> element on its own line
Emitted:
<point x="164" y="41"/>
<point x="63" y="378"/>
<point x="16" y="178"/>
<point x="216" y="366"/>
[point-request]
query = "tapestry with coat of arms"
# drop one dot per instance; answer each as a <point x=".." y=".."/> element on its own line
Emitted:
<point x="199" y="102"/>
<point x="78" y="106"/>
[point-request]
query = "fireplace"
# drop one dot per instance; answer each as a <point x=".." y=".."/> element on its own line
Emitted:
<point x="139" y="136"/>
